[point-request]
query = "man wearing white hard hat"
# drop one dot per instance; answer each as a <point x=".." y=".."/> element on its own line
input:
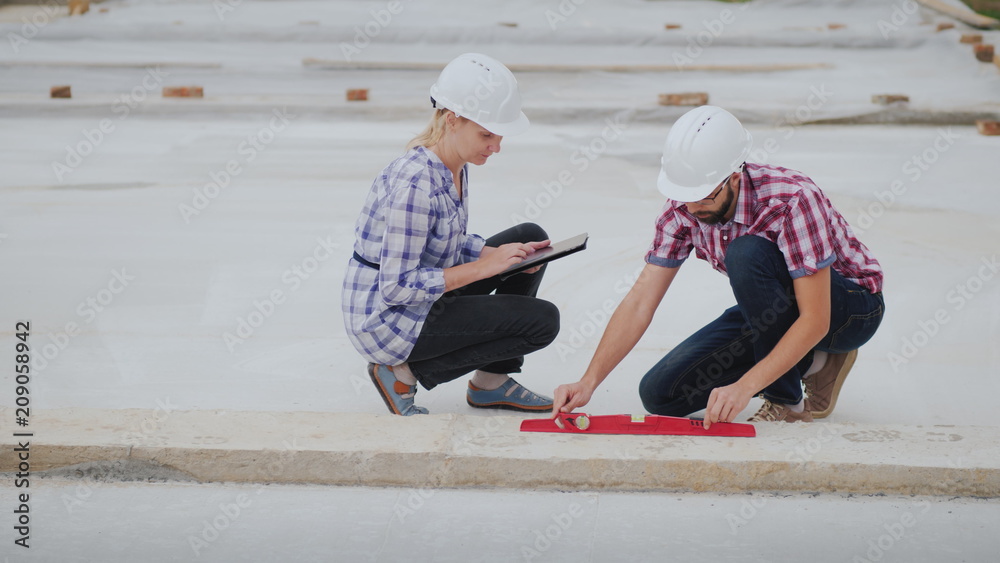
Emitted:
<point x="808" y="292"/>
<point x="417" y="297"/>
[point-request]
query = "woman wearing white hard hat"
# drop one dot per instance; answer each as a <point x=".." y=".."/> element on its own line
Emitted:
<point x="417" y="297"/>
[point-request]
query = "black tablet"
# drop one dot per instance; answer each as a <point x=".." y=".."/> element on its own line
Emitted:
<point x="547" y="254"/>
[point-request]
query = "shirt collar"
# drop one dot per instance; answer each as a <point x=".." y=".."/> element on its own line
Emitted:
<point x="744" y="202"/>
<point x="444" y="172"/>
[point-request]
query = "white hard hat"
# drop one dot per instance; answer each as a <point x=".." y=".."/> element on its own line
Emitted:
<point x="704" y="146"/>
<point x="480" y="88"/>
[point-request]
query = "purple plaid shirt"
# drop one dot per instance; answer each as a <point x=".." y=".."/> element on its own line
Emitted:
<point x="413" y="226"/>
<point x="778" y="204"/>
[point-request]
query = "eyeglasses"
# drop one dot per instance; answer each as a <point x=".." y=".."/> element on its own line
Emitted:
<point x="716" y="193"/>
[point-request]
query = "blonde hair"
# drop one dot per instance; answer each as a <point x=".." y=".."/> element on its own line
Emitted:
<point x="433" y="133"/>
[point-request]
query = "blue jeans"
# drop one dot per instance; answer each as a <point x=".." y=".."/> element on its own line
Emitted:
<point x="725" y="349"/>
<point x="469" y="329"/>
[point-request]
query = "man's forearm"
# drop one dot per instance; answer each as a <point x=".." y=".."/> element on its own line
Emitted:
<point x="801" y="337"/>
<point x="626" y="327"/>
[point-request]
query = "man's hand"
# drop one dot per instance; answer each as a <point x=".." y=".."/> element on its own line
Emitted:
<point x="570" y="396"/>
<point x="724" y="403"/>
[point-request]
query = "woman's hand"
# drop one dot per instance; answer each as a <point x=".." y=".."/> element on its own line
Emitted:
<point x="496" y="260"/>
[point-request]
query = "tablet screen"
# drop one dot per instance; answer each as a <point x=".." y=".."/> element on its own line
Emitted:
<point x="547" y="254"/>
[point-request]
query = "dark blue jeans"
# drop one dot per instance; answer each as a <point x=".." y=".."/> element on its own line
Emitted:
<point x="469" y="329"/>
<point x="725" y="349"/>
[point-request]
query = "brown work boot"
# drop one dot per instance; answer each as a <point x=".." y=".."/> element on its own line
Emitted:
<point x="823" y="387"/>
<point x="774" y="412"/>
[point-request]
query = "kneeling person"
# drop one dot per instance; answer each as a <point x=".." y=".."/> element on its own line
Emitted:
<point x="808" y="293"/>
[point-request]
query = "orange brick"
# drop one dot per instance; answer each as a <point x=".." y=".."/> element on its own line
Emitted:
<point x="835" y="26"/>
<point x="509" y="24"/>
<point x="183" y="92"/>
<point x="886" y="99"/>
<point x="684" y="99"/>
<point x="78" y="7"/>
<point x="671" y="26"/>
<point x="987" y="127"/>
<point x="971" y="38"/>
<point x="984" y="52"/>
<point x="357" y="95"/>
<point x="945" y="25"/>
<point x="60" y="92"/>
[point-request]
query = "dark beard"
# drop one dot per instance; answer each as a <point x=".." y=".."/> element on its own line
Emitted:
<point x="719" y="216"/>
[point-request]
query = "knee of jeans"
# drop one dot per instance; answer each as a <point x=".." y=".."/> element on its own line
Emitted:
<point x="650" y="394"/>
<point x="531" y="232"/>
<point x="548" y="322"/>
<point x="750" y="253"/>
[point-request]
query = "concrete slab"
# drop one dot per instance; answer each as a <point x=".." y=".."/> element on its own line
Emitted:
<point x="438" y="451"/>
<point x="85" y="520"/>
<point x="141" y="384"/>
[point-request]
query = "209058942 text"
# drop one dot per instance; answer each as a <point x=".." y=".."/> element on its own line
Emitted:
<point x="22" y="416"/>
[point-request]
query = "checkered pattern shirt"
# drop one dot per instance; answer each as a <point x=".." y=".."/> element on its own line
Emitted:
<point x="778" y="204"/>
<point x="413" y="226"/>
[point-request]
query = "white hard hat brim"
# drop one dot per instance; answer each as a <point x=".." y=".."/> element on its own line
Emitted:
<point x="516" y="127"/>
<point x="684" y="194"/>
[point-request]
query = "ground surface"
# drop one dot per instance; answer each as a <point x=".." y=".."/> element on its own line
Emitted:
<point x="190" y="252"/>
<point x="93" y="521"/>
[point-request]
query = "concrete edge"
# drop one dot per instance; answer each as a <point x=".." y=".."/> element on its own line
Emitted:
<point x="36" y="105"/>
<point x="455" y="451"/>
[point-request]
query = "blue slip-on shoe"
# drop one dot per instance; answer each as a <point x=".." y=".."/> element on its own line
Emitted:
<point x="397" y="395"/>
<point x="511" y="396"/>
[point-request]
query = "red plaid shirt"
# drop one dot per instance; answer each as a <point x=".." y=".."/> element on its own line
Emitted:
<point x="786" y="208"/>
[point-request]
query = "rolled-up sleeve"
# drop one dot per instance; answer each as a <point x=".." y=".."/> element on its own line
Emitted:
<point x="671" y="242"/>
<point x="805" y="239"/>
